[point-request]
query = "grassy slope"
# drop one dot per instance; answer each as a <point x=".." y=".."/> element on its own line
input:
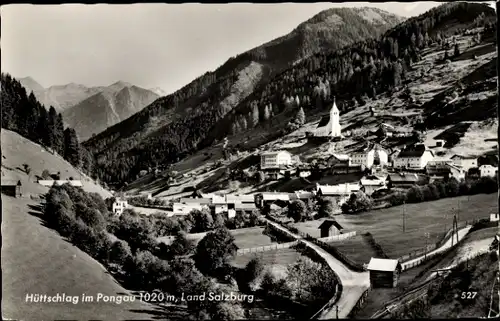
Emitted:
<point x="18" y="150"/>
<point x="36" y="259"/>
<point x="386" y="224"/>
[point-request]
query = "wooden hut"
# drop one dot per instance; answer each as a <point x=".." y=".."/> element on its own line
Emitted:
<point x="330" y="228"/>
<point x="12" y="188"/>
<point x="384" y="273"/>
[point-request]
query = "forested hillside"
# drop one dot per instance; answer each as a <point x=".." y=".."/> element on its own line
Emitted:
<point x="162" y="133"/>
<point x="24" y="114"/>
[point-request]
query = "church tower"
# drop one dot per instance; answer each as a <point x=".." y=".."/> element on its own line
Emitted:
<point x="335" y="121"/>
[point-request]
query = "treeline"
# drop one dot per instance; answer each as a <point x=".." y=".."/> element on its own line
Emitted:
<point x="353" y="73"/>
<point x="25" y="115"/>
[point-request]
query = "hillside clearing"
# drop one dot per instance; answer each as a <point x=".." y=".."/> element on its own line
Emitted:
<point x="36" y="259"/>
<point x="17" y="150"/>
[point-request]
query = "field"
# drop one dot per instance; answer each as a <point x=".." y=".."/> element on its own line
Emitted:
<point x="386" y="225"/>
<point x="277" y="260"/>
<point x="17" y="150"/>
<point x="36" y="259"/>
<point x="356" y="249"/>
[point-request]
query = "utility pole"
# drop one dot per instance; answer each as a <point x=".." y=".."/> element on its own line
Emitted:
<point x="427" y="236"/>
<point x="404" y="217"/>
<point x="337" y="311"/>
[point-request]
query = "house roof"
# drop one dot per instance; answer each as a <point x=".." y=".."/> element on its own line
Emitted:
<point x="324" y="121"/>
<point x="240" y="198"/>
<point x="187" y="200"/>
<point x="406" y="177"/>
<point x="372" y="182"/>
<point x="275" y="196"/>
<point x="382" y="265"/>
<point x="342" y="157"/>
<point x="303" y="194"/>
<point x="11" y="182"/>
<point x="245" y="206"/>
<point x="329" y="223"/>
<point x="272" y="153"/>
<point x="340" y="189"/>
<point x="456" y="156"/>
<point x="414" y="151"/>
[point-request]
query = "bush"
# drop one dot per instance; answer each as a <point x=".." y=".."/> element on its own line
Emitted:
<point x="120" y="252"/>
<point x="326" y="208"/>
<point x="45" y="174"/>
<point x="214" y="251"/>
<point x="297" y="210"/>
<point x="358" y="202"/>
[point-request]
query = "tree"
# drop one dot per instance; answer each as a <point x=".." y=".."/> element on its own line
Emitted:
<point x="59" y="135"/>
<point x="261" y="177"/>
<point x="254" y="116"/>
<point x="181" y="245"/>
<point x="297" y="210"/>
<point x="300" y="118"/>
<point x="45" y="174"/>
<point x="358" y="202"/>
<point x="72" y="147"/>
<point x="267" y="112"/>
<point x="201" y="221"/>
<point x="326" y="208"/>
<point x="120" y="252"/>
<point x="214" y="251"/>
<point x="457" y="50"/>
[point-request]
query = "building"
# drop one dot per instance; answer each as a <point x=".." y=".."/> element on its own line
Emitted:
<point x="440" y="142"/>
<point x="466" y="162"/>
<point x="393" y="155"/>
<point x="185" y="209"/>
<point x="268" y="198"/>
<point x="50" y="183"/>
<point x="273" y="160"/>
<point x="240" y="199"/>
<point x="12" y="188"/>
<point x="329" y="125"/>
<point x="488" y="171"/>
<point x="370" y="185"/>
<point x="444" y="169"/>
<point x="403" y="180"/>
<point x="384" y="273"/>
<point x="370" y="157"/>
<point x="415" y="157"/>
<point x="244" y="207"/>
<point x="203" y="201"/>
<point x="338" y="193"/>
<point x="494" y="217"/>
<point x="330" y="228"/>
<point x="119" y="206"/>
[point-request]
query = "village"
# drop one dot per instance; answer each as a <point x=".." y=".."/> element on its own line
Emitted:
<point x="382" y="170"/>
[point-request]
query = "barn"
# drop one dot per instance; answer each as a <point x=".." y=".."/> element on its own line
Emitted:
<point x="330" y="228"/>
<point x="12" y="188"/>
<point x="384" y="273"/>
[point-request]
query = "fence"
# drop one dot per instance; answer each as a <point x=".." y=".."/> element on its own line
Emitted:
<point x="359" y="304"/>
<point x="266" y="248"/>
<point x="338" y="237"/>
<point x="431" y="247"/>
<point x="338" y="255"/>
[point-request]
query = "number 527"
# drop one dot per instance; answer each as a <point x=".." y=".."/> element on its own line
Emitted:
<point x="468" y="295"/>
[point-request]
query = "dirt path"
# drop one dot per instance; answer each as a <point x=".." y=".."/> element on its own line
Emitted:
<point x="353" y="283"/>
<point x="448" y="244"/>
<point x="36" y="260"/>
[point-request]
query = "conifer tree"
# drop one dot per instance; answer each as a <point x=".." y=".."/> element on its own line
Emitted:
<point x="71" y="147"/>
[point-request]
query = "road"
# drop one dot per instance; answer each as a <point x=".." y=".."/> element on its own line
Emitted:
<point x="448" y="244"/>
<point x="353" y="283"/>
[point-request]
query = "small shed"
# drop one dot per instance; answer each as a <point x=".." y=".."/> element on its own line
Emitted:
<point x="384" y="273"/>
<point x="330" y="228"/>
<point x="494" y="217"/>
<point x="12" y="188"/>
<point x="440" y="142"/>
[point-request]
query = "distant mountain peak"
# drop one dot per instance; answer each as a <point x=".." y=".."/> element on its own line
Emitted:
<point x="30" y="84"/>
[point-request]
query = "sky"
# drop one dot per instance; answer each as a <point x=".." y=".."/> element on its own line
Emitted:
<point x="148" y="45"/>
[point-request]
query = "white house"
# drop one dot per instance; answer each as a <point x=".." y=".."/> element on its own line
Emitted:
<point x="414" y="157"/>
<point x="340" y="192"/>
<point x="119" y="206"/>
<point x="466" y="162"/>
<point x="185" y="209"/>
<point x="369" y="157"/>
<point x="275" y="159"/>
<point x="329" y="126"/>
<point x="368" y="186"/>
<point x="494" y="217"/>
<point x="50" y="182"/>
<point x="488" y="171"/>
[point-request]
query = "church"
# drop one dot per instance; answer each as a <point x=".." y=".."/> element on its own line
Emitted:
<point x="329" y="126"/>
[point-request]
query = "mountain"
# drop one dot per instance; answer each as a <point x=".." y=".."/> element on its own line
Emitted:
<point x="111" y="105"/>
<point x="157" y="90"/>
<point x="256" y="90"/>
<point x="178" y="122"/>
<point x="30" y="84"/>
